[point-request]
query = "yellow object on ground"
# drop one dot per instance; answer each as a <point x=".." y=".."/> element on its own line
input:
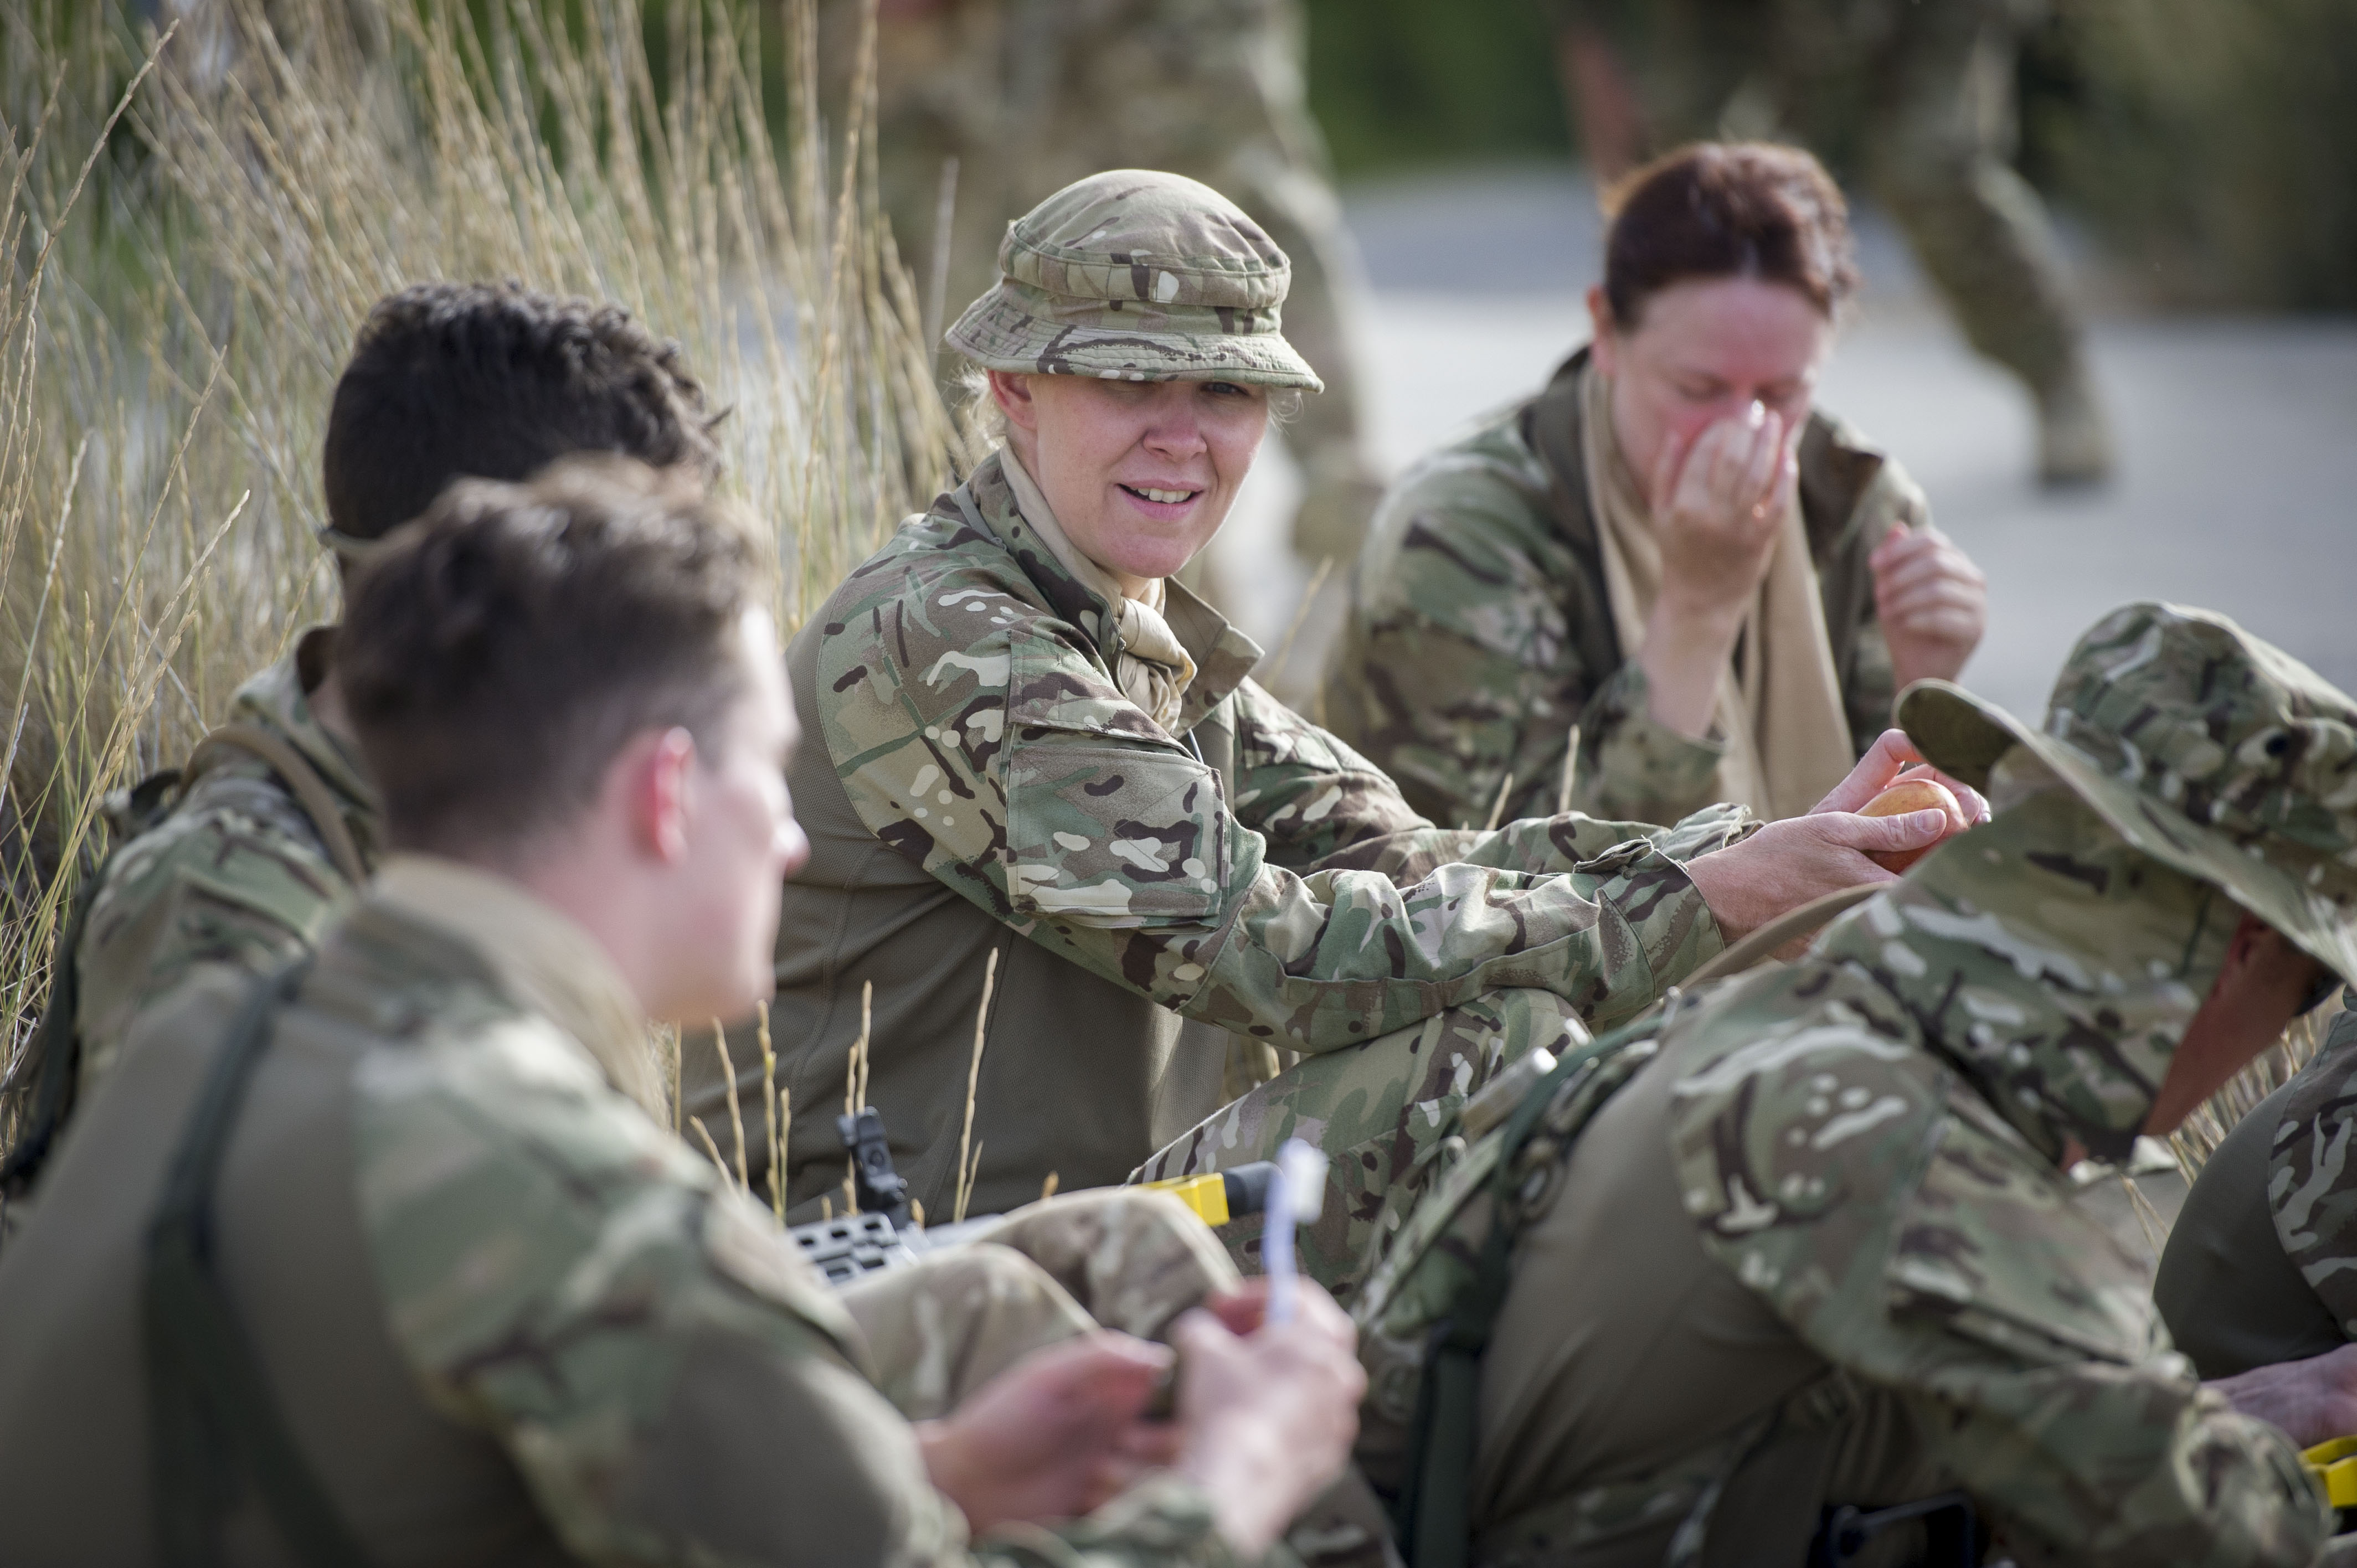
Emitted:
<point x="2335" y="1461"/>
<point x="1207" y="1194"/>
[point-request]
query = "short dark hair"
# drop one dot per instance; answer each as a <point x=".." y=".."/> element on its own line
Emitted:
<point x="498" y="653"/>
<point x="495" y="381"/>
<point x="1720" y="210"/>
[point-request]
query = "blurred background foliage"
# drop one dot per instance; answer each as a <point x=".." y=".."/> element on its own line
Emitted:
<point x="2209" y="146"/>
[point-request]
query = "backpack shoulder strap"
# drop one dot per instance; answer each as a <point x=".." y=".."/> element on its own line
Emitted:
<point x="318" y="801"/>
<point x="1432" y="1513"/>
<point x="210" y="1404"/>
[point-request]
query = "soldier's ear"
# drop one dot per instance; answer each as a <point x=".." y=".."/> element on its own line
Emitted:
<point x="654" y="779"/>
<point x="1012" y="391"/>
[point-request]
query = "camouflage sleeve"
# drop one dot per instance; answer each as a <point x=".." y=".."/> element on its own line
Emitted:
<point x="2311" y="1190"/>
<point x="235" y="876"/>
<point x="1321" y="806"/>
<point x="1469" y="676"/>
<point x="1004" y="762"/>
<point x="1909" y="1236"/>
<point x="673" y="1383"/>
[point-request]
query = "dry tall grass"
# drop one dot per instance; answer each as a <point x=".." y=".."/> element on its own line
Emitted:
<point x="176" y="298"/>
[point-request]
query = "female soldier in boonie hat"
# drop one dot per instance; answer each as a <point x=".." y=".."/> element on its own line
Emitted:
<point x="1061" y="744"/>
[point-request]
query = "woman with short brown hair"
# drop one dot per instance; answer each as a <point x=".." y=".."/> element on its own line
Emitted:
<point x="1669" y="552"/>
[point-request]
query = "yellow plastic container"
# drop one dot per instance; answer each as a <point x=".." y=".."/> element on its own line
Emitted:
<point x="1208" y="1197"/>
<point x="2335" y="1462"/>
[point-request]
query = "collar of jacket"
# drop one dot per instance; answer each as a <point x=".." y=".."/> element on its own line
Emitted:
<point x="543" y="960"/>
<point x="279" y="700"/>
<point x="1224" y="656"/>
<point x="2050" y="963"/>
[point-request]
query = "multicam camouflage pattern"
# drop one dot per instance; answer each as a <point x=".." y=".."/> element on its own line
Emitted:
<point x="939" y="1328"/>
<point x="968" y="704"/>
<point x="235" y="875"/>
<point x="1135" y="275"/>
<point x="2311" y="1188"/>
<point x="2204" y="748"/>
<point x="1385" y="1114"/>
<point x="1870" y="1140"/>
<point x="2027" y="984"/>
<point x="1480" y="633"/>
<point x="562" y="1273"/>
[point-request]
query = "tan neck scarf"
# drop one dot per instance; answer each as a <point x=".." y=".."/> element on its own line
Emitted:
<point x="1779" y="712"/>
<point x="1153" y="669"/>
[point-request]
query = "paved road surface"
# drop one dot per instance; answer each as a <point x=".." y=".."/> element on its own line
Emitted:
<point x="2238" y="438"/>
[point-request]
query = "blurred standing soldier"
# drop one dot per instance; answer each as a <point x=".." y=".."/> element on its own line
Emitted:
<point x="381" y="1255"/>
<point x="242" y="856"/>
<point x="1927" y="88"/>
<point x="1029" y="95"/>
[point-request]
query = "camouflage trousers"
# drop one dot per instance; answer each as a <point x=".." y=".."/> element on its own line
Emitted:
<point x="1379" y="1110"/>
<point x="941" y="1328"/>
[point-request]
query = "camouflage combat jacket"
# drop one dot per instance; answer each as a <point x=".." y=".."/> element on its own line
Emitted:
<point x="508" y="1316"/>
<point x="1481" y="632"/>
<point x="236" y="873"/>
<point x="1852" y="1270"/>
<point x="975" y="782"/>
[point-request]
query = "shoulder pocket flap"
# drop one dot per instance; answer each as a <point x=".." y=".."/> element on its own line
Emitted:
<point x="1113" y="834"/>
<point x="1997" y="1248"/>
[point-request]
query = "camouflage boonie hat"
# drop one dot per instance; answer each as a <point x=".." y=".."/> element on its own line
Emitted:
<point x="2206" y="748"/>
<point x="1136" y="276"/>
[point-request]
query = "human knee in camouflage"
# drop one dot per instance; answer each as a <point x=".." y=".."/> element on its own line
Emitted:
<point x="1380" y="1112"/>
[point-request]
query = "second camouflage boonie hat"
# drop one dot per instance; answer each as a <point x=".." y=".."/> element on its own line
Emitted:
<point x="1136" y="276"/>
<point x="2206" y="748"/>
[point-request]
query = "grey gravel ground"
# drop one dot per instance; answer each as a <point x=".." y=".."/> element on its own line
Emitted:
<point x="2238" y="486"/>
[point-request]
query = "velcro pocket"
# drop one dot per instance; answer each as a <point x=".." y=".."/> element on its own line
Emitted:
<point x="1999" y="1251"/>
<point x="1113" y="835"/>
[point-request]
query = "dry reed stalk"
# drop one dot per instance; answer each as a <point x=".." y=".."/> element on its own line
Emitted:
<point x="1048" y="1188"/>
<point x="855" y="1090"/>
<point x="1570" y="773"/>
<point x="1498" y="806"/>
<point x="160" y="418"/>
<point x="785" y="1142"/>
<point x="966" y="1173"/>
<point x="2206" y="1128"/>
<point x="735" y="1107"/>
<point x="769" y="1110"/>
<point x="710" y="1148"/>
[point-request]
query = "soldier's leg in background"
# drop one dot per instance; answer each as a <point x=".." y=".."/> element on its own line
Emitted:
<point x="941" y="1328"/>
<point x="1377" y="1111"/>
<point x="1133" y="1261"/>
<point x="1942" y="130"/>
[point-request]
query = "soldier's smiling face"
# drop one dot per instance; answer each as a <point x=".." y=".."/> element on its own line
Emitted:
<point x="1141" y="474"/>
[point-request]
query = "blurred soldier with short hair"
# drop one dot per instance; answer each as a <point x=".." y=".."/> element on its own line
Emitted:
<point x="382" y="1257"/>
<point x="244" y="855"/>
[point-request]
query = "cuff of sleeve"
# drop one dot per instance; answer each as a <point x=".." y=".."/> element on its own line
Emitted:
<point x="1668" y="919"/>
